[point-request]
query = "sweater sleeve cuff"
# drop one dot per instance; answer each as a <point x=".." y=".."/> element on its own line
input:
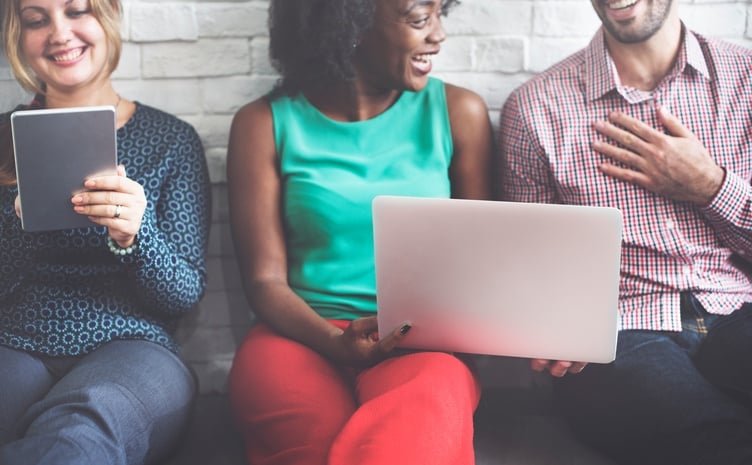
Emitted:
<point x="144" y="239"/>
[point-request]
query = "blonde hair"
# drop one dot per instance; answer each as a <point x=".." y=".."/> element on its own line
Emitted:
<point x="106" y="12"/>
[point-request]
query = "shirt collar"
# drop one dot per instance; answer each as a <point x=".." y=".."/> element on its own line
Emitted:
<point x="600" y="72"/>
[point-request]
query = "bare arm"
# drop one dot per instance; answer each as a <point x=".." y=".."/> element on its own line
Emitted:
<point x="472" y="137"/>
<point x="255" y="199"/>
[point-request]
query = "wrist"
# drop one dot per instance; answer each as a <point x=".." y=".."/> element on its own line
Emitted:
<point x="120" y="249"/>
<point x="715" y="183"/>
<point x="127" y="243"/>
<point x="333" y="341"/>
<point x="332" y="345"/>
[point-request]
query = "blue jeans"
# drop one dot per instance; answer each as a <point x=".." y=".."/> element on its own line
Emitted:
<point x="124" y="403"/>
<point x="670" y="398"/>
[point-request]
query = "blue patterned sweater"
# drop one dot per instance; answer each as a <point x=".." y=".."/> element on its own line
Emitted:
<point x="64" y="293"/>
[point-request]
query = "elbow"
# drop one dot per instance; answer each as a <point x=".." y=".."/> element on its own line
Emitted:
<point x="258" y="289"/>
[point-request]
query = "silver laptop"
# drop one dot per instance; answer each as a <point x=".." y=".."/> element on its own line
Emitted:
<point x="55" y="151"/>
<point x="499" y="278"/>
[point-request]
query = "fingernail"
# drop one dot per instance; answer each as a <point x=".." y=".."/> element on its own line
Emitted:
<point x="77" y="199"/>
<point x="404" y="329"/>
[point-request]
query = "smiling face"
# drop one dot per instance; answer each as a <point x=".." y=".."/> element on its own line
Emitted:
<point x="397" y="52"/>
<point x="63" y="43"/>
<point x="632" y="21"/>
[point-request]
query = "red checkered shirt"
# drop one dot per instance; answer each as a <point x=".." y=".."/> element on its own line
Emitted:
<point x="668" y="247"/>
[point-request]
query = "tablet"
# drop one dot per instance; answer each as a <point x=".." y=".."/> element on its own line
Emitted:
<point x="56" y="150"/>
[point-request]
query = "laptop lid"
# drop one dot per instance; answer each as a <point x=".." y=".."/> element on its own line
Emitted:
<point x="55" y="151"/>
<point x="499" y="278"/>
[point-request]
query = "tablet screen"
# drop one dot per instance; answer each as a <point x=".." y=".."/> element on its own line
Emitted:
<point x="56" y="150"/>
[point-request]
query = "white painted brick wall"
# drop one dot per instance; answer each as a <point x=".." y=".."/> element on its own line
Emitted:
<point x="202" y="59"/>
<point x="147" y="21"/>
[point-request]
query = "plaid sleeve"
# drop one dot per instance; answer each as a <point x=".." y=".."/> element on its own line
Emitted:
<point x="730" y="214"/>
<point x="524" y="171"/>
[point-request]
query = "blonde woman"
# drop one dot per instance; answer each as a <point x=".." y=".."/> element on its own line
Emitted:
<point x="89" y="372"/>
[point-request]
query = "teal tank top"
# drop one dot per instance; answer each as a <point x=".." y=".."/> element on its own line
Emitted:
<point x="330" y="173"/>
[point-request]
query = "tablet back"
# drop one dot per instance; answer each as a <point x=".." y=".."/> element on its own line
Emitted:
<point x="55" y="151"/>
<point x="499" y="278"/>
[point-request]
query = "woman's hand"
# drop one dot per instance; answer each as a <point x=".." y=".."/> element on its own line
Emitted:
<point x="114" y="201"/>
<point x="360" y="345"/>
<point x="17" y="204"/>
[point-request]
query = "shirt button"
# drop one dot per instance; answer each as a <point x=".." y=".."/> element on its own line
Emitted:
<point x="669" y="224"/>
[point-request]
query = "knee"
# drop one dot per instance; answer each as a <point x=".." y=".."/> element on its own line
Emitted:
<point x="454" y="377"/>
<point x="118" y="410"/>
<point x="80" y="444"/>
<point x="449" y="380"/>
<point x="447" y="366"/>
<point x="98" y="404"/>
<point x="96" y="422"/>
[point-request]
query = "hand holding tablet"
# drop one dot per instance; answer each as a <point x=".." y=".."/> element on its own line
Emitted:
<point x="113" y="201"/>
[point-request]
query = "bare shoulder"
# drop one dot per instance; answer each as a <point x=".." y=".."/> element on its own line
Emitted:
<point x="252" y="126"/>
<point x="253" y="113"/>
<point x="463" y="103"/>
<point x="251" y="137"/>
<point x="473" y="143"/>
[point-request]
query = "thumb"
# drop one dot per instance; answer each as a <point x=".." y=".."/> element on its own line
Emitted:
<point x="365" y="325"/>
<point x="388" y="343"/>
<point x="672" y="123"/>
<point x="121" y="170"/>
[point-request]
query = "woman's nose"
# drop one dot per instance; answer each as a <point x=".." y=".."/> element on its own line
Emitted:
<point x="61" y="31"/>
<point x="438" y="34"/>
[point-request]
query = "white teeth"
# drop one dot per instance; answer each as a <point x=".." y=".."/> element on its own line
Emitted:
<point x="424" y="58"/>
<point x="72" y="55"/>
<point x="618" y="5"/>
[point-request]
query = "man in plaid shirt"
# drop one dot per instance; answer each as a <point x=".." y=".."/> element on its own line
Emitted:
<point x="655" y="120"/>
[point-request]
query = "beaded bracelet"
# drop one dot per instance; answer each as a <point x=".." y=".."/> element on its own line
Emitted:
<point x="117" y="250"/>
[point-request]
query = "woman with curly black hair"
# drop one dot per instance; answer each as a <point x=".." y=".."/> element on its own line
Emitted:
<point x="355" y="115"/>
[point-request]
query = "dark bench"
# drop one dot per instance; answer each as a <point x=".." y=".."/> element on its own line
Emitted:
<point x="515" y="422"/>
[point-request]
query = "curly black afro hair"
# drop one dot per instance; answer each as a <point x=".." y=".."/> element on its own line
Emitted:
<point x="312" y="42"/>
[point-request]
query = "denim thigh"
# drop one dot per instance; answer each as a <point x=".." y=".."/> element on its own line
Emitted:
<point x="125" y="403"/>
<point x="656" y="402"/>
<point x="725" y="357"/>
<point x="23" y="381"/>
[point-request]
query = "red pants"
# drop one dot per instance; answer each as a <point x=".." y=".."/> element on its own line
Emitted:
<point x="294" y="406"/>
